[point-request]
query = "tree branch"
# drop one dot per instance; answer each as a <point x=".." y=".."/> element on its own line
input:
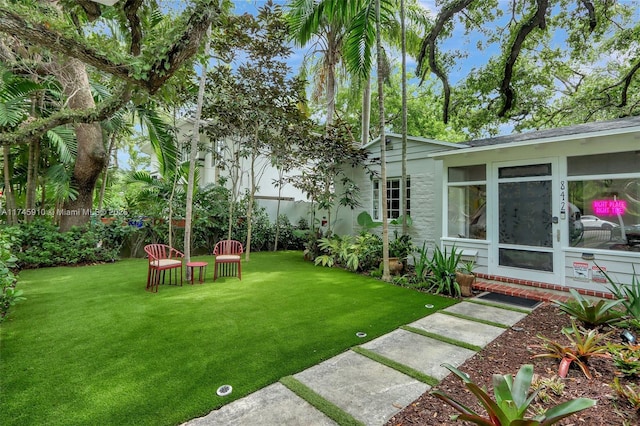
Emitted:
<point x="183" y="49"/>
<point x="33" y="130"/>
<point x="593" y="21"/>
<point x="131" y="11"/>
<point x="161" y="70"/>
<point x="39" y="34"/>
<point x="627" y="82"/>
<point x="429" y="43"/>
<point x="536" y="21"/>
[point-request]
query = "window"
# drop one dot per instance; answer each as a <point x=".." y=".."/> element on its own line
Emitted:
<point x="604" y="201"/>
<point x="466" y="202"/>
<point x="394" y="199"/>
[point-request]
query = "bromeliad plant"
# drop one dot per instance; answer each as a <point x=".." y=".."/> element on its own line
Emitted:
<point x="584" y="344"/>
<point x="589" y="313"/>
<point x="626" y="358"/>
<point x="629" y="294"/>
<point x="512" y="400"/>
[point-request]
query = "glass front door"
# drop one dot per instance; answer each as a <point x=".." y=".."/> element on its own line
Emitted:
<point x="526" y="232"/>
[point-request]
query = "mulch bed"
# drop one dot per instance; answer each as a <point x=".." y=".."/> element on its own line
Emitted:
<point x="506" y="355"/>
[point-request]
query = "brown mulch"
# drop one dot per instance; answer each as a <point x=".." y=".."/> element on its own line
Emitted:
<point x="506" y="355"/>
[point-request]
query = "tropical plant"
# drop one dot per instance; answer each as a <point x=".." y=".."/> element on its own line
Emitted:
<point x="628" y="294"/>
<point x="337" y="250"/>
<point x="401" y="247"/>
<point x="421" y="263"/>
<point x="467" y="267"/>
<point x="590" y="313"/>
<point x="626" y="358"/>
<point x="366" y="222"/>
<point x="368" y="247"/>
<point x="584" y="344"/>
<point x="442" y="271"/>
<point x="512" y="400"/>
<point x="546" y="386"/>
<point x="630" y="391"/>
<point x="9" y="296"/>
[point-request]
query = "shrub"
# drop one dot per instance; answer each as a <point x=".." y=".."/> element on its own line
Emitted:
<point x="9" y="296"/>
<point x="630" y="392"/>
<point x="590" y="313"/>
<point x="584" y="344"/>
<point x="442" y="268"/>
<point x="512" y="400"/>
<point x="626" y="358"/>
<point x="41" y="244"/>
<point x="628" y="294"/>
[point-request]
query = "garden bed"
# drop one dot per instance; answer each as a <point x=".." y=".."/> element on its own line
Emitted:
<point x="511" y="350"/>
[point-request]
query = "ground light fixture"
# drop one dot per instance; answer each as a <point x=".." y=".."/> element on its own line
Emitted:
<point x="628" y="337"/>
<point x="224" y="390"/>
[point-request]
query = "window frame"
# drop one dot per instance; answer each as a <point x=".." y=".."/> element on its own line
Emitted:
<point x="376" y="203"/>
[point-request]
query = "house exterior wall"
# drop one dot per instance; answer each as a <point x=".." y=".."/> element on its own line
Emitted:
<point x="572" y="261"/>
<point x="293" y="202"/>
<point x="426" y="196"/>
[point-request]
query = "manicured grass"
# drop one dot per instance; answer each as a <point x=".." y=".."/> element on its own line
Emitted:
<point x="90" y="346"/>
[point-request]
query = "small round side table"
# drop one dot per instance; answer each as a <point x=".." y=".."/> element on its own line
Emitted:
<point x="202" y="270"/>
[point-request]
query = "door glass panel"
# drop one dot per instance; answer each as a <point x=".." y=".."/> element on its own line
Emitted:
<point x="525" y="213"/>
<point x="525" y="171"/>
<point x="540" y="261"/>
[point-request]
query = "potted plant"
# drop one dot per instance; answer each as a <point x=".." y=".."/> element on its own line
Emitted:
<point x="399" y="250"/>
<point x="465" y="278"/>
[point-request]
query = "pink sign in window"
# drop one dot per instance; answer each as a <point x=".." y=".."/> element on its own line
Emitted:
<point x="608" y="207"/>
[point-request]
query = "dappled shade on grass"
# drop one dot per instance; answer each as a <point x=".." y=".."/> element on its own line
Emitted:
<point x="89" y="345"/>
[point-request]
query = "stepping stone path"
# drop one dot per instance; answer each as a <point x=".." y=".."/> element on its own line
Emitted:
<point x="361" y="384"/>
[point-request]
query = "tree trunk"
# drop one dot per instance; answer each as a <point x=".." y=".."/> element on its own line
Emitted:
<point x="252" y="194"/>
<point x="366" y="110"/>
<point x="32" y="180"/>
<point x="386" y="276"/>
<point x="193" y="157"/>
<point x="91" y="153"/>
<point x="280" y="179"/>
<point x="105" y="171"/>
<point x="331" y="78"/>
<point x="10" y="200"/>
<point x="403" y="182"/>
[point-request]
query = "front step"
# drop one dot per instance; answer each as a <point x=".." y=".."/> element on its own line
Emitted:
<point x="533" y="290"/>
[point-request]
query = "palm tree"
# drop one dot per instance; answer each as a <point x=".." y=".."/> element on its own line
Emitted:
<point x="326" y="23"/>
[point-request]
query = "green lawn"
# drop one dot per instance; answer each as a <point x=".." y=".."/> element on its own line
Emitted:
<point x="91" y="346"/>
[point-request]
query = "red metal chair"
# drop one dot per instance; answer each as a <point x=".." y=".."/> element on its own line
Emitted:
<point x="227" y="262"/>
<point x="162" y="258"/>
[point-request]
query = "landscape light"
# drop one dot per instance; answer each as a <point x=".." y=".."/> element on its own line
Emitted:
<point x="628" y="337"/>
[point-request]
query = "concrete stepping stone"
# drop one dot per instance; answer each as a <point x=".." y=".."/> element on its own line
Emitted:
<point x="273" y="405"/>
<point x="464" y="330"/>
<point x="369" y="391"/>
<point x="419" y="352"/>
<point x="487" y="313"/>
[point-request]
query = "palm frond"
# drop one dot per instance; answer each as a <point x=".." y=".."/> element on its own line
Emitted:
<point x="63" y="140"/>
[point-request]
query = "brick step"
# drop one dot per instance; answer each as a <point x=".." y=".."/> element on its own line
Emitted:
<point x="532" y="290"/>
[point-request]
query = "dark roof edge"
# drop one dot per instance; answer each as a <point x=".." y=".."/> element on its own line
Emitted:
<point x="594" y="127"/>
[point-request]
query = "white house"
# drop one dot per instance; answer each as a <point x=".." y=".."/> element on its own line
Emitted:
<point x="548" y="206"/>
<point x="293" y="202"/>
<point x="540" y="207"/>
<point x="424" y="180"/>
